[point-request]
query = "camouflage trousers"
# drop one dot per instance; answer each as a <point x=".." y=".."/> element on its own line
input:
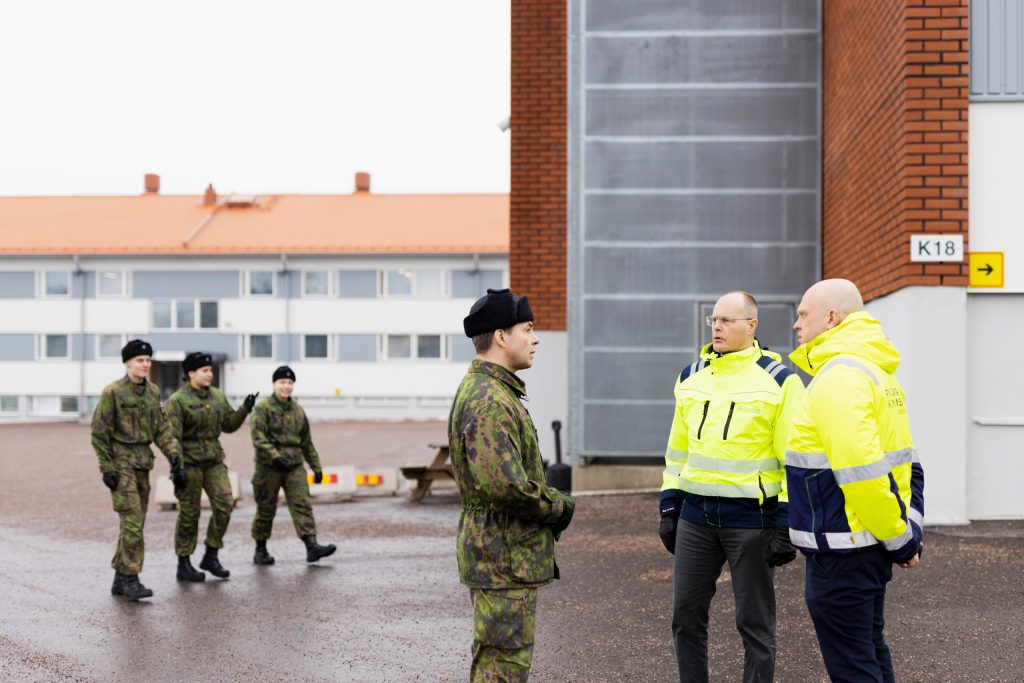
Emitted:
<point x="212" y="478"/>
<point x="503" y="629"/>
<point x="131" y="498"/>
<point x="266" y="482"/>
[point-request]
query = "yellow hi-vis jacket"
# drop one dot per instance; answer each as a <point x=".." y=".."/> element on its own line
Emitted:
<point x="853" y="474"/>
<point x="726" y="450"/>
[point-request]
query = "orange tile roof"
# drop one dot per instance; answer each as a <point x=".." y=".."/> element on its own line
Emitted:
<point x="361" y="223"/>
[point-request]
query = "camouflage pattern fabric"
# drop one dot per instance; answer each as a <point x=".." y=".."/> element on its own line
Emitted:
<point x="196" y="418"/>
<point x="280" y="430"/>
<point x="126" y="421"/>
<point x="213" y="478"/>
<point x="505" y="538"/>
<point x="131" y="498"/>
<point x="266" y="483"/>
<point x="503" y="631"/>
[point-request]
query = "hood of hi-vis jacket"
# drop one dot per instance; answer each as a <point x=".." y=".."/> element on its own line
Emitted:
<point x="852" y="471"/>
<point x="729" y="431"/>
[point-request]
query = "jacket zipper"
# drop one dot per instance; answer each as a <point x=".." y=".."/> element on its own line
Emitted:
<point x="706" y="403"/>
<point x="725" y="432"/>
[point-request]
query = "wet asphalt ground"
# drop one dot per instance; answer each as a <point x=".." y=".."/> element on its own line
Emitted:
<point x="388" y="605"/>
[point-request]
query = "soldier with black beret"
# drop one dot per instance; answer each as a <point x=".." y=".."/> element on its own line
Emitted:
<point x="280" y="435"/>
<point x="510" y="517"/>
<point x="196" y="415"/>
<point x="126" y="421"/>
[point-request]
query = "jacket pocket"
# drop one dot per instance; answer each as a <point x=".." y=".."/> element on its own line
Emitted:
<point x="530" y="551"/>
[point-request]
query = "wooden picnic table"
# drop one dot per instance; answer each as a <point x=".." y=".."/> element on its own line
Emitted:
<point x="439" y="468"/>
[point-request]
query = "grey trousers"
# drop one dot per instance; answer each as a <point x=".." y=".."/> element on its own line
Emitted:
<point x="700" y="553"/>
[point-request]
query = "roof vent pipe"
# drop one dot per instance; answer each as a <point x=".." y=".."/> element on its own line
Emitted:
<point x="362" y="182"/>
<point x="152" y="182"/>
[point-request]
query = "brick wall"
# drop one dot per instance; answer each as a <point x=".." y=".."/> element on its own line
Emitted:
<point x="539" y="119"/>
<point x="894" y="141"/>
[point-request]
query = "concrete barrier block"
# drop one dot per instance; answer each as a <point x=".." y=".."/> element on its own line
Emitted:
<point x="164" y="492"/>
<point x="339" y="482"/>
<point x="377" y="481"/>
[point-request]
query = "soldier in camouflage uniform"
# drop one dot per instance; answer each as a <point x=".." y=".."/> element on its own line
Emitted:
<point x="127" y="420"/>
<point x="196" y="415"/>
<point x="510" y="517"/>
<point x="280" y="434"/>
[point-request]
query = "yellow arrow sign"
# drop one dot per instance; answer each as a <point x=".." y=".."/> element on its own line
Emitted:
<point x="986" y="269"/>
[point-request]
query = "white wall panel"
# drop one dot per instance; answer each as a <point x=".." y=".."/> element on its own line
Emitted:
<point x="37" y="316"/>
<point x="262" y="315"/>
<point x="379" y="316"/>
<point x="116" y="316"/>
<point x="415" y="379"/>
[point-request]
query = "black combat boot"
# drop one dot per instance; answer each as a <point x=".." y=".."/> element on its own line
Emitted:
<point x="118" y="587"/>
<point x="314" y="551"/>
<point x="262" y="556"/>
<point x="186" y="572"/>
<point x="134" y="590"/>
<point x="211" y="564"/>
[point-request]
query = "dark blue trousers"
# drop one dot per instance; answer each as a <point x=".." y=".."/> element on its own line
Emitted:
<point x="846" y="598"/>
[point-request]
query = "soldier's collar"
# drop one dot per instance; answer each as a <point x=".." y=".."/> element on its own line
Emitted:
<point x="499" y="372"/>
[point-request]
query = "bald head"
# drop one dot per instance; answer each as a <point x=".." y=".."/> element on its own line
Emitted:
<point x="734" y="322"/>
<point x="825" y="305"/>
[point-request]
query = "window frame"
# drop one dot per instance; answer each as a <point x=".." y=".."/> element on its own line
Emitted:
<point x="414" y="356"/>
<point x="17" y="405"/>
<point x="35" y="412"/>
<point x="330" y="284"/>
<point x="197" y="312"/>
<point x="123" y="340"/>
<point x="42" y="283"/>
<point x="332" y="350"/>
<point x="247" y="283"/>
<point x="247" y="346"/>
<point x="125" y="284"/>
<point x="41" y="347"/>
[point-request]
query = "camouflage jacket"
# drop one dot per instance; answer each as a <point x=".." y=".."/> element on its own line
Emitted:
<point x="280" y="430"/>
<point x="196" y="417"/>
<point x="126" y="421"/>
<point x="505" y="538"/>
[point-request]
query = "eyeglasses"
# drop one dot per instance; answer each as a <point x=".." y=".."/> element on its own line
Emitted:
<point x="711" y="320"/>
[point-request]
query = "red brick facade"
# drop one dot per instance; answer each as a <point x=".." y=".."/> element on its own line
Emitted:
<point x="539" y="158"/>
<point x="895" y="95"/>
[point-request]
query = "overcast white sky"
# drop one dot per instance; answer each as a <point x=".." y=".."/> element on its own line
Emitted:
<point x="260" y="96"/>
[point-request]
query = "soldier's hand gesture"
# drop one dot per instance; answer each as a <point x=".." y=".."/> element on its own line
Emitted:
<point x="250" y="400"/>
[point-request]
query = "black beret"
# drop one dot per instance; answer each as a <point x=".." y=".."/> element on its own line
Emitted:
<point x="284" y="372"/>
<point x="136" y="347"/>
<point x="499" y="310"/>
<point x="196" y="360"/>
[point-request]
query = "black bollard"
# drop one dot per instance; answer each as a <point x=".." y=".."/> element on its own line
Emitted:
<point x="559" y="475"/>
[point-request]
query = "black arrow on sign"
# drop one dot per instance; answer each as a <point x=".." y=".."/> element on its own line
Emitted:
<point x="987" y="269"/>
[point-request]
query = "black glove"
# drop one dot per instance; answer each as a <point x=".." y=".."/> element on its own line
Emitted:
<point x="563" y="522"/>
<point x="667" y="531"/>
<point x="780" y="550"/>
<point x="250" y="400"/>
<point x="110" y="480"/>
<point x="178" y="473"/>
<point x="318" y="476"/>
<point x="280" y="465"/>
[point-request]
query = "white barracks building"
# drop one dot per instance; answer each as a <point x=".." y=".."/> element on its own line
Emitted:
<point x="362" y="294"/>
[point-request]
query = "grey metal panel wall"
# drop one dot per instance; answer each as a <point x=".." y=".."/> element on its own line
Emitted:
<point x="997" y="50"/>
<point x="17" y="284"/>
<point x="192" y="341"/>
<point x="287" y="347"/>
<point x="191" y="284"/>
<point x="17" y="347"/>
<point x="695" y="154"/>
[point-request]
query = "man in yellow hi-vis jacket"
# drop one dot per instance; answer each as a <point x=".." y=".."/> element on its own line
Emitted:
<point x="723" y="494"/>
<point x="856" y="486"/>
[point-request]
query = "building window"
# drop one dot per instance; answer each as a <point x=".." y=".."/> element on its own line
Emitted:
<point x="402" y="282"/>
<point x="430" y="283"/>
<point x="54" y="405"/>
<point x="54" y="346"/>
<point x="260" y="283"/>
<point x="8" y="405"/>
<point x="358" y="284"/>
<point x="111" y="283"/>
<point x="316" y="283"/>
<point x="473" y="284"/>
<point x="398" y="282"/>
<point x="56" y="283"/>
<point x="357" y="348"/>
<point x="413" y="346"/>
<point x="181" y="314"/>
<point x="109" y="346"/>
<point x="259" y="346"/>
<point x="316" y="347"/>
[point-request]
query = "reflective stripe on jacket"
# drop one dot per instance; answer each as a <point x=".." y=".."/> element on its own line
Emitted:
<point x="726" y="449"/>
<point x="853" y="474"/>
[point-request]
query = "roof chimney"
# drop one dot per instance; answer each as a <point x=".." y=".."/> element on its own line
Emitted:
<point x="152" y="183"/>
<point x="362" y="182"/>
<point x="210" y="196"/>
